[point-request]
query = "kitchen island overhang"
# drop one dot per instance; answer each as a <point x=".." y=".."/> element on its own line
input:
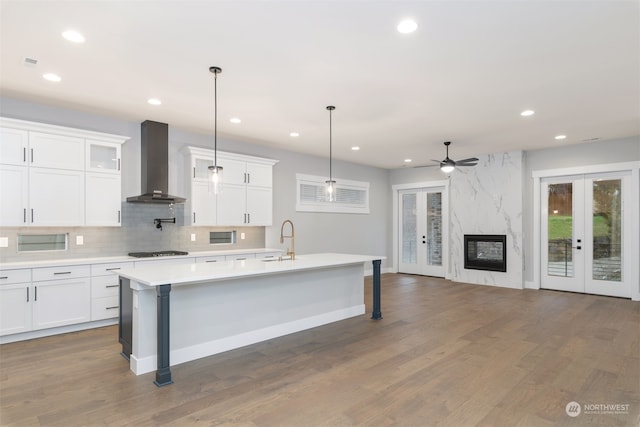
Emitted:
<point x="173" y="314"/>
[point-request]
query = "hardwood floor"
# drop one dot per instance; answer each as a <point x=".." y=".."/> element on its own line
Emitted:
<point x="445" y="354"/>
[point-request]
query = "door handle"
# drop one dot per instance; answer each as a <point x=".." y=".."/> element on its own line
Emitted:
<point x="577" y="247"/>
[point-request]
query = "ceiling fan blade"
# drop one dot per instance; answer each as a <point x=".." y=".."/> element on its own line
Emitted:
<point x="470" y="159"/>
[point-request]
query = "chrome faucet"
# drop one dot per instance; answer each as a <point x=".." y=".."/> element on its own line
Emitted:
<point x="291" y="253"/>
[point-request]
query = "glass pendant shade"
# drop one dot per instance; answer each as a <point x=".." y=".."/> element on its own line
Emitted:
<point x="331" y="190"/>
<point x="215" y="179"/>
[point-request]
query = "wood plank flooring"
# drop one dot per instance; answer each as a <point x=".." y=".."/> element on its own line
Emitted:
<point x="445" y="354"/>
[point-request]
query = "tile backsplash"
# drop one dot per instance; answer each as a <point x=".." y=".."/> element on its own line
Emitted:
<point x="138" y="233"/>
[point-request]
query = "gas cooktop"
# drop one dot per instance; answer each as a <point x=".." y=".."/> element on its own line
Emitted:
<point x="156" y="254"/>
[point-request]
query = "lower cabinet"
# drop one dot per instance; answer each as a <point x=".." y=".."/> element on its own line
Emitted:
<point x="61" y="302"/>
<point x="15" y="308"/>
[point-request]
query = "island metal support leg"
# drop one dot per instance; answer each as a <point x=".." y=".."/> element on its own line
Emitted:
<point x="377" y="314"/>
<point x="163" y="373"/>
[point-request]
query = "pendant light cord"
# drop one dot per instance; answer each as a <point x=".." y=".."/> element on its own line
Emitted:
<point x="215" y="120"/>
<point x="330" y="147"/>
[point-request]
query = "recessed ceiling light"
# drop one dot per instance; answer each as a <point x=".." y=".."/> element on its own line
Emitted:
<point x="51" y="77"/>
<point x="407" y="160"/>
<point x="355" y="148"/>
<point x="560" y="136"/>
<point x="73" y="36"/>
<point x="294" y="134"/>
<point x="154" y="101"/>
<point x="527" y="113"/>
<point x="407" y="26"/>
<point x="235" y="120"/>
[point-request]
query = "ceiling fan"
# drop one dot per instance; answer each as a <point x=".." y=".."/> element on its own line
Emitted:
<point x="448" y="165"/>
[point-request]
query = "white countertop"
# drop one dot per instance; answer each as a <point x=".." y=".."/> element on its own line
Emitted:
<point x="125" y="258"/>
<point x="203" y="272"/>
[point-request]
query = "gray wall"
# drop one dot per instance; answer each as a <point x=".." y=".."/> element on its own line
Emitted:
<point x="315" y="232"/>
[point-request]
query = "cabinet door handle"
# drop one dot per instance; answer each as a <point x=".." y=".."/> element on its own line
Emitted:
<point x="113" y="268"/>
<point x="248" y="218"/>
<point x="111" y="286"/>
<point x="194" y="217"/>
<point x="32" y="215"/>
<point x="118" y="164"/>
<point x="27" y="294"/>
<point x="194" y="172"/>
<point x="211" y="260"/>
<point x="4" y="277"/>
<point x="24" y="154"/>
<point x="248" y="178"/>
<point x="32" y="155"/>
<point x="119" y="219"/>
<point x="240" y="259"/>
<point x="61" y="272"/>
<point x="35" y="293"/>
<point x="111" y="308"/>
<point x="24" y="215"/>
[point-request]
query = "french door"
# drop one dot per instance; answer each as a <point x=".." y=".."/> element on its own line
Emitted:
<point x="422" y="231"/>
<point x="586" y="233"/>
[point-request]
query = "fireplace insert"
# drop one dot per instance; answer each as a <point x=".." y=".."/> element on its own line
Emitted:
<point x="485" y="252"/>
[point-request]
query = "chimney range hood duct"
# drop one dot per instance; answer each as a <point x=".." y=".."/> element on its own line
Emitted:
<point x="154" y="152"/>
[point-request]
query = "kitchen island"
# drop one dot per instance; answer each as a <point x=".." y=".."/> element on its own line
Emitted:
<point x="172" y="314"/>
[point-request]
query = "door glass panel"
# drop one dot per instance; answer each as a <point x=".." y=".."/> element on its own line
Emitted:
<point x="103" y="157"/>
<point x="434" y="229"/>
<point x="409" y="228"/>
<point x="607" y="230"/>
<point x="202" y="168"/>
<point x="560" y="230"/>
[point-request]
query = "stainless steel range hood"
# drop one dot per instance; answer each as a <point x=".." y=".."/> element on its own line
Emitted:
<point x="154" y="152"/>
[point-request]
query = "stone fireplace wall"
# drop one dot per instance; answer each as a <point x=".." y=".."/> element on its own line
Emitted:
<point x="487" y="199"/>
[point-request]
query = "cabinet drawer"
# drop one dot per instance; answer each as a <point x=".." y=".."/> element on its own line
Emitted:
<point x="240" y="257"/>
<point x="108" y="269"/>
<point x="62" y="272"/>
<point x="104" y="286"/>
<point x="268" y="255"/>
<point x="209" y="259"/>
<point x="104" y="308"/>
<point x="15" y="276"/>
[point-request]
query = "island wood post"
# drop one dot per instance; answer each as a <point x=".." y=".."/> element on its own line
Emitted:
<point x="163" y="374"/>
<point x="377" y="313"/>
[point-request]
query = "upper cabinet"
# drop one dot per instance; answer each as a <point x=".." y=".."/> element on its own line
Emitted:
<point x="246" y="197"/>
<point x="59" y="176"/>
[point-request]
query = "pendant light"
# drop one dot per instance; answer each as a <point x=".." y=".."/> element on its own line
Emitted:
<point x="215" y="171"/>
<point x="331" y="184"/>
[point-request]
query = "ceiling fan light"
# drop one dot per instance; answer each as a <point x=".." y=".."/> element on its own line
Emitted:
<point x="447" y="168"/>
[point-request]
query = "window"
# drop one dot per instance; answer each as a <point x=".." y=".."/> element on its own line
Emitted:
<point x="351" y="196"/>
<point x="42" y="242"/>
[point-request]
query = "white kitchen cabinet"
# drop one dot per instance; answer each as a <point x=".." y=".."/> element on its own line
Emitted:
<point x="61" y="302"/>
<point x="105" y="290"/>
<point x="56" y="197"/>
<point x="16" y="294"/>
<point x="247" y="196"/>
<point x="103" y="157"/>
<point x="201" y="206"/>
<point x="239" y="257"/>
<point x="15" y="308"/>
<point x="102" y="199"/>
<point x="56" y="151"/>
<point x="61" y="295"/>
<point x="14" y="144"/>
<point x="14" y="195"/>
<point x="58" y="164"/>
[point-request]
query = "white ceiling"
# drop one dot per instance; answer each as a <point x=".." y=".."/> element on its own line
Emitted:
<point x="464" y="75"/>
